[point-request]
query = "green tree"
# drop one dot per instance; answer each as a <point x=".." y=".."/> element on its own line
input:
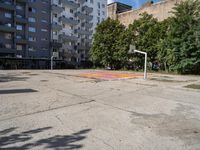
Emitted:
<point x="107" y="44"/>
<point x="146" y="34"/>
<point x="181" y="47"/>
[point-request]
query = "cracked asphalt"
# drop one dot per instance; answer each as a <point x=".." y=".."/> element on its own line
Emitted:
<point x="41" y="109"/>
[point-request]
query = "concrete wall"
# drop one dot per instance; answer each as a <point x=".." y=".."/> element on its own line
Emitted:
<point x="160" y="10"/>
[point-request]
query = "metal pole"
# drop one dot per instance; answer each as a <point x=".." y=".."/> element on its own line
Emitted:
<point x="51" y="62"/>
<point x="145" y="62"/>
<point x="145" y="67"/>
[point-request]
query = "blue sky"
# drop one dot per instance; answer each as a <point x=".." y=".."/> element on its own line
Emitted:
<point x="134" y="3"/>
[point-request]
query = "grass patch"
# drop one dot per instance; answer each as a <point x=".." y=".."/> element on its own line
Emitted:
<point x="193" y="86"/>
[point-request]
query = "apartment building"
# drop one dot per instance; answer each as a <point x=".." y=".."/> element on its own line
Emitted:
<point x="73" y="24"/>
<point x="32" y="30"/>
<point x="25" y="32"/>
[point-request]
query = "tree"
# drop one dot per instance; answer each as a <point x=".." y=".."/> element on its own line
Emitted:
<point x="146" y="34"/>
<point x="181" y="47"/>
<point x="106" y="49"/>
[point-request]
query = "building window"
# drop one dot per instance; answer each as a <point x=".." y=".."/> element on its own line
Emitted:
<point x="44" y="21"/>
<point x="99" y="5"/>
<point x="19" y="37"/>
<point x="19" y="27"/>
<point x="44" y="49"/>
<point x="8" y="36"/>
<point x="19" y="16"/>
<point x="44" y="11"/>
<point x="31" y="19"/>
<point x="44" y="39"/>
<point x="19" y="47"/>
<point x="44" y="30"/>
<point x="32" y="39"/>
<point x="19" y="7"/>
<point x="8" y="15"/>
<point x="33" y="10"/>
<point x="8" y="46"/>
<point x="31" y="29"/>
<point x="30" y="48"/>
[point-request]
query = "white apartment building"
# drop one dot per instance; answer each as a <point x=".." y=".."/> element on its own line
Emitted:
<point x="73" y="24"/>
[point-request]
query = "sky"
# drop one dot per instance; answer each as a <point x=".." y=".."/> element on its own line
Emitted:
<point x="134" y="3"/>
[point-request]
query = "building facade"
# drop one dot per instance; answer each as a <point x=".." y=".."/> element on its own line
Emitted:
<point x="73" y="23"/>
<point x="34" y="30"/>
<point x="126" y="15"/>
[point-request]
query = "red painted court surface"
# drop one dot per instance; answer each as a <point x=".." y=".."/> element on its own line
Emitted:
<point x="108" y="75"/>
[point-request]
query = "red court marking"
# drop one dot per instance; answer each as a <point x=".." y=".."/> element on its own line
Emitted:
<point x="110" y="75"/>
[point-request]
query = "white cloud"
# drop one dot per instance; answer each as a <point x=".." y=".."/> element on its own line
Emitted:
<point x="110" y="1"/>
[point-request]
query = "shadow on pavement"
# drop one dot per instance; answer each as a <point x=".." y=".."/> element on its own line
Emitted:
<point x="21" y="141"/>
<point x="17" y="91"/>
<point x="9" y="78"/>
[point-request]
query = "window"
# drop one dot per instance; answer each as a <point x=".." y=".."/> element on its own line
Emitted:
<point x="103" y="13"/>
<point x="103" y="6"/>
<point x="19" y="27"/>
<point x="33" y="10"/>
<point x="19" y="16"/>
<point x="19" y="7"/>
<point x="44" y="11"/>
<point x="44" y="21"/>
<point x="99" y="6"/>
<point x="8" y="36"/>
<point x="55" y="33"/>
<point x="8" y="45"/>
<point x="44" y="30"/>
<point x="31" y="48"/>
<point x="44" y="49"/>
<point x="32" y="1"/>
<point x="44" y="39"/>
<point x="91" y="1"/>
<point x="32" y="39"/>
<point x="19" y="37"/>
<point x="19" y="47"/>
<point x="31" y="29"/>
<point x="8" y="15"/>
<point x="31" y="19"/>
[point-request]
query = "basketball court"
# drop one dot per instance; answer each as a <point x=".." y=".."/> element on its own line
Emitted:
<point x="108" y="75"/>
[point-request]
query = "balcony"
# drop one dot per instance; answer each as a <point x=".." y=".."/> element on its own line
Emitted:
<point x="56" y="27"/>
<point x="88" y="25"/>
<point x="84" y="32"/>
<point x="81" y="1"/>
<point x="56" y="44"/>
<point x="68" y="47"/>
<point x="56" y="9"/>
<point x="21" y="41"/>
<point x="5" y="28"/>
<point x="70" y="4"/>
<point x="68" y="21"/>
<point x="65" y="37"/>
<point x="22" y="1"/>
<point x="84" y="16"/>
<point x="81" y="47"/>
<point x="3" y="49"/>
<point x="6" y="6"/>
<point x="22" y="20"/>
<point x="87" y="9"/>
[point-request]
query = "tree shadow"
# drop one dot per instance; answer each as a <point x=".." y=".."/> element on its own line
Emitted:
<point x="9" y="78"/>
<point x="11" y="142"/>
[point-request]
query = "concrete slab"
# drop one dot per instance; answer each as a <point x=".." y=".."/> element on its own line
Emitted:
<point x="70" y="111"/>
